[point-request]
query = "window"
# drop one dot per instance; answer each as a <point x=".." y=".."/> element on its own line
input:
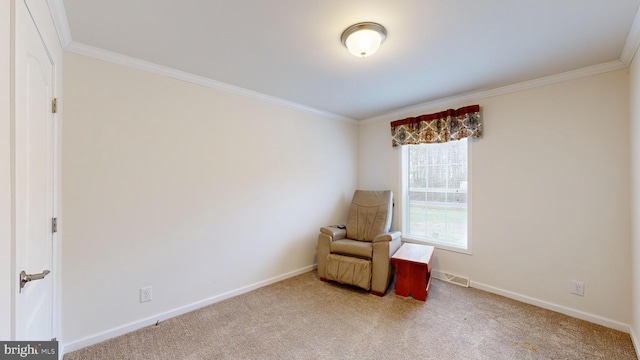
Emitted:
<point x="436" y="194"/>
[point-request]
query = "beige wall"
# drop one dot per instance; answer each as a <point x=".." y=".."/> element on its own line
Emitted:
<point x="190" y="190"/>
<point x="550" y="196"/>
<point x="634" y="102"/>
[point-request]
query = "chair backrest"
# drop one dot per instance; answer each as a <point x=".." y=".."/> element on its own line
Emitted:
<point x="369" y="215"/>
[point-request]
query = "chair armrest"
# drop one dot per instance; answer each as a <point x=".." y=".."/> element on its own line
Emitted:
<point x="334" y="232"/>
<point x="387" y="236"/>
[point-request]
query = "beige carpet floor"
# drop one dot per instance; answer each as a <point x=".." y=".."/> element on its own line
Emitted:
<point x="304" y="318"/>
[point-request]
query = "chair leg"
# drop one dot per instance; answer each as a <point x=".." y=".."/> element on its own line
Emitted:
<point x="377" y="293"/>
<point x="323" y="279"/>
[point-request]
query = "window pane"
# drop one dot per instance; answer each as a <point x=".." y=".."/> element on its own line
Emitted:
<point x="436" y="197"/>
<point x="418" y="177"/>
<point x="457" y="175"/>
<point x="417" y="215"/>
<point x="457" y="224"/>
<point x="437" y="222"/>
<point x="437" y="176"/>
<point x="437" y="194"/>
<point x="417" y="196"/>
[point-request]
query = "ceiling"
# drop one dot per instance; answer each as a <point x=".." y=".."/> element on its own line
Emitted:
<point x="291" y="49"/>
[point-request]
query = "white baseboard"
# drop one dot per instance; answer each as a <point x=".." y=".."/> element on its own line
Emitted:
<point x="109" y="334"/>
<point x="613" y="324"/>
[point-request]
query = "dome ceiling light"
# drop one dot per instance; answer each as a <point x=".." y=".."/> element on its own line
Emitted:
<point x="363" y="39"/>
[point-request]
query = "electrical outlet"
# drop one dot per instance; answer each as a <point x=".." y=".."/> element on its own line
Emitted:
<point x="577" y="287"/>
<point x="145" y="294"/>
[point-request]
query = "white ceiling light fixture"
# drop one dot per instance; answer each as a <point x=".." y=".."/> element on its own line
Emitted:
<point x="363" y="39"/>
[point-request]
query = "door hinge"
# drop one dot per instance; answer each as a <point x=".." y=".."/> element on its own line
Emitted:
<point x="54" y="225"/>
<point x="54" y="105"/>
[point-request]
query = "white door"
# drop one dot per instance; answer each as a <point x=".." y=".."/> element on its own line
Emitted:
<point x="33" y="179"/>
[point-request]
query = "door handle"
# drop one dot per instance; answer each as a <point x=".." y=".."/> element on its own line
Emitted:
<point x="25" y="278"/>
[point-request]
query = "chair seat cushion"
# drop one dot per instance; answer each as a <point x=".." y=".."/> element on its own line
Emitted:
<point x="360" y="249"/>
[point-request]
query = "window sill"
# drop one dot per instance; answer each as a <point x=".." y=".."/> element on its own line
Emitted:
<point x="437" y="245"/>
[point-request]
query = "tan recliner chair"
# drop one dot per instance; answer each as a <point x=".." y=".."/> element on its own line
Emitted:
<point x="360" y="254"/>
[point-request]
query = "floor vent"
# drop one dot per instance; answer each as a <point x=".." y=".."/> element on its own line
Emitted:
<point x="454" y="279"/>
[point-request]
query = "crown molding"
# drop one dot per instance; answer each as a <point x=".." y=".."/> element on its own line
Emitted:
<point x="633" y="41"/>
<point x="116" y="58"/>
<point x="59" y="16"/>
<point x="439" y="104"/>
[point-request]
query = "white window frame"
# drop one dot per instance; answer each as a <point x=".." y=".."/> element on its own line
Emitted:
<point x="405" y="205"/>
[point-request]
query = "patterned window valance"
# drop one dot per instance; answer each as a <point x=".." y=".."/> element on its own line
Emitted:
<point x="439" y="127"/>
